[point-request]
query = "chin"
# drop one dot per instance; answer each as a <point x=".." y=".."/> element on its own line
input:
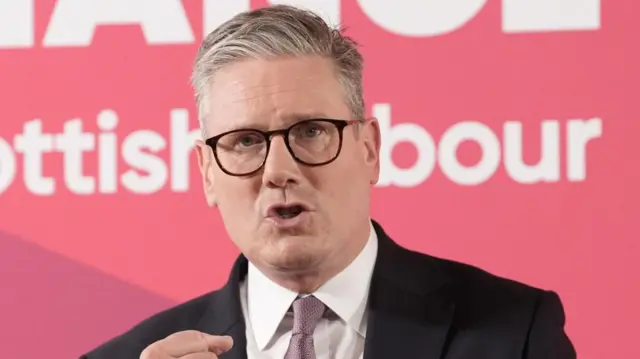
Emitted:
<point x="293" y="254"/>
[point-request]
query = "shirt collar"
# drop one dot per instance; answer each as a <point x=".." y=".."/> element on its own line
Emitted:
<point x="345" y="294"/>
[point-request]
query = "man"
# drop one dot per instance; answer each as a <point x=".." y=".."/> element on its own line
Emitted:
<point x="289" y="160"/>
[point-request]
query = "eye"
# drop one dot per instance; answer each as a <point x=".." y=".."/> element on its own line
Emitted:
<point x="248" y="140"/>
<point x="310" y="130"/>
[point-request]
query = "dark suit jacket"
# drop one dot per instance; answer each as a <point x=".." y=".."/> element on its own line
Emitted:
<point x="419" y="307"/>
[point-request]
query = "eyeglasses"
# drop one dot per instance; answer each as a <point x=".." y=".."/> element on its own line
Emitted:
<point x="314" y="142"/>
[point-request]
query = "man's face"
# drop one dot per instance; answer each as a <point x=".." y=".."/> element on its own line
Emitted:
<point x="274" y="94"/>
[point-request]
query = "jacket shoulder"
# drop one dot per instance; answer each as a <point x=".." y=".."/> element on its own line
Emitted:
<point x="501" y="310"/>
<point x="476" y="287"/>
<point x="484" y="298"/>
<point x="131" y="343"/>
<point x="470" y="279"/>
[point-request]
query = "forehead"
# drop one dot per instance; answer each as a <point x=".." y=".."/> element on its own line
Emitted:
<point x="271" y="93"/>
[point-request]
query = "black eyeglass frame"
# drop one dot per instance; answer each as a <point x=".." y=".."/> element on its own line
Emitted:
<point x="284" y="132"/>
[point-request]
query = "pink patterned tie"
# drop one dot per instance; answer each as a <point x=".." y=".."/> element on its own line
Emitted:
<point x="306" y="313"/>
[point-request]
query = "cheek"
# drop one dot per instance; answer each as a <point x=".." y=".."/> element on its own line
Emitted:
<point x="344" y="184"/>
<point x="236" y="203"/>
<point x="234" y="193"/>
<point x="353" y="179"/>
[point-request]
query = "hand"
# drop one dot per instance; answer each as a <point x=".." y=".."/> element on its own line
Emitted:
<point x="188" y="344"/>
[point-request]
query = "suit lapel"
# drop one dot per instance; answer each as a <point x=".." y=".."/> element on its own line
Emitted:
<point x="224" y="314"/>
<point x="410" y="305"/>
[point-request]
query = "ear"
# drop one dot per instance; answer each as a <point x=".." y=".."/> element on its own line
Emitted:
<point x="372" y="141"/>
<point x="205" y="162"/>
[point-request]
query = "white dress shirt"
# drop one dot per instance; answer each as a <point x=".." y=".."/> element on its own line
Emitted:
<point x="265" y="306"/>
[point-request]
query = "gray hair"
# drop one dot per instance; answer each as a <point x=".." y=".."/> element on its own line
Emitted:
<point x="278" y="30"/>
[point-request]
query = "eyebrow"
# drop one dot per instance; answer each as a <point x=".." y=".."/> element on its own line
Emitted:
<point x="301" y="116"/>
<point x="288" y="120"/>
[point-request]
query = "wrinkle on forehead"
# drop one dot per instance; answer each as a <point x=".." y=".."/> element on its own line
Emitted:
<point x="267" y="93"/>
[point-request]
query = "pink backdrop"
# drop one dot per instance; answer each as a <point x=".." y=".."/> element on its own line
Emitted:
<point x="510" y="142"/>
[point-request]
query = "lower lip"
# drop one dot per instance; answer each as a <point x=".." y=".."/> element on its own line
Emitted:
<point x="289" y="222"/>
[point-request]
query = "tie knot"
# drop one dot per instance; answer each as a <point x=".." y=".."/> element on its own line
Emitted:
<point x="306" y="313"/>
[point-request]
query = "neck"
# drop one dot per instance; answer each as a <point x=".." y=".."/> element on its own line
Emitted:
<point x="302" y="283"/>
<point x="308" y="280"/>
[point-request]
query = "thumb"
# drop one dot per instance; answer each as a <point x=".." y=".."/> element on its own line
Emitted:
<point x="219" y="344"/>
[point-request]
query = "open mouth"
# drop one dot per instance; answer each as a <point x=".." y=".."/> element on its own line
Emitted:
<point x="286" y="212"/>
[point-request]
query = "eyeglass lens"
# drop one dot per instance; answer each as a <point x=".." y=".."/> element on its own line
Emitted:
<point x="311" y="142"/>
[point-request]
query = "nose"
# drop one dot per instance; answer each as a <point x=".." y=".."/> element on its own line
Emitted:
<point x="280" y="168"/>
